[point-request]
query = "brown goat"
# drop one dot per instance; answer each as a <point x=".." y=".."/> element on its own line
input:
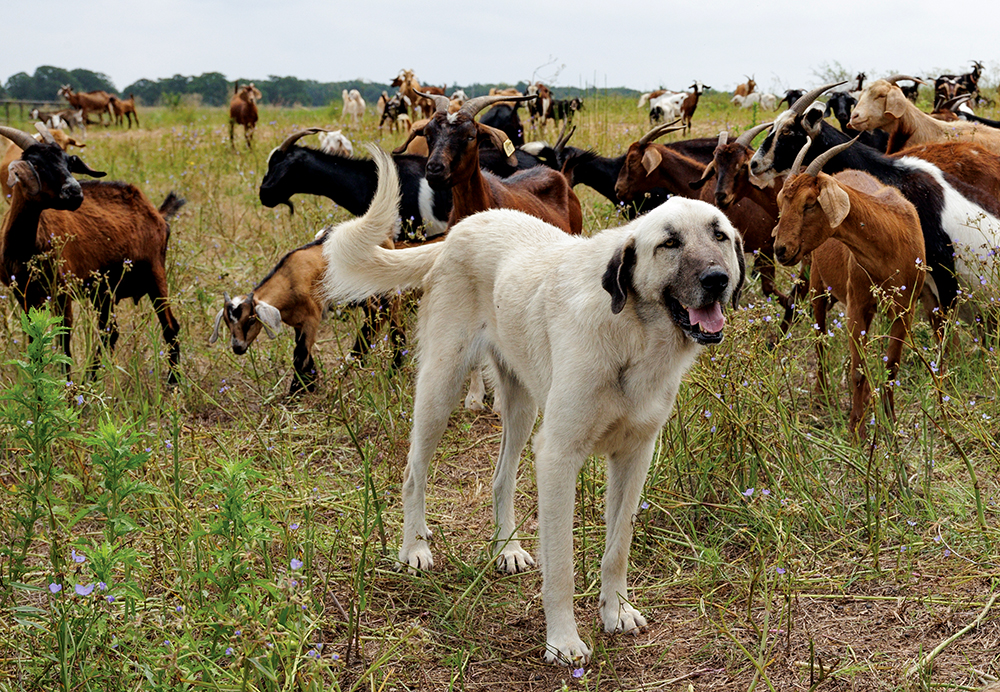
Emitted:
<point x="886" y="257"/>
<point x="288" y="294"/>
<point x="690" y="104"/>
<point x="105" y="235"/>
<point x="14" y="152"/>
<point x="649" y="165"/>
<point x="124" y="109"/>
<point x="453" y="162"/>
<point x="746" y="88"/>
<point x="89" y="102"/>
<point x="409" y="87"/>
<point x="243" y="111"/>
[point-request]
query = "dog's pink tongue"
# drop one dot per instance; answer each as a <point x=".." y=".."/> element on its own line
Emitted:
<point x="710" y="318"/>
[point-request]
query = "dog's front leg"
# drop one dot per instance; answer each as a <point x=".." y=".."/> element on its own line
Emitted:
<point x="517" y="423"/>
<point x="556" y="474"/>
<point x="626" y="475"/>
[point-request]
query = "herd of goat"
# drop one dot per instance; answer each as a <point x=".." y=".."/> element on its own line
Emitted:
<point x="896" y="207"/>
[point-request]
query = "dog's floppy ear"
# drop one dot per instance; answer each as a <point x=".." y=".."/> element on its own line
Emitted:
<point x="742" y="262"/>
<point x="617" y="278"/>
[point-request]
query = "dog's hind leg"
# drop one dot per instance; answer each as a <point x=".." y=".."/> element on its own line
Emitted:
<point x="439" y="383"/>
<point x="627" y="471"/>
<point x="519" y="417"/>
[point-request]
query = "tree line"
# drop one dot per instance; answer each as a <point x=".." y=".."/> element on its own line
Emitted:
<point x="214" y="89"/>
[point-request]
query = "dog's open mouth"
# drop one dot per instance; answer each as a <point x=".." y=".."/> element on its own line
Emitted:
<point x="703" y="324"/>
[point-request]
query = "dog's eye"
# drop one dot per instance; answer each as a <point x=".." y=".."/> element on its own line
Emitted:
<point x="720" y="236"/>
<point x="671" y="243"/>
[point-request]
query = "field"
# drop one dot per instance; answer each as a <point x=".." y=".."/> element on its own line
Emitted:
<point x="220" y="535"/>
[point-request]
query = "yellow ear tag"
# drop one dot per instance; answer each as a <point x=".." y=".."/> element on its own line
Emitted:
<point x="508" y="147"/>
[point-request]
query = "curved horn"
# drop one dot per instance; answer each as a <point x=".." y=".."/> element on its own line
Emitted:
<point x="799" y="158"/>
<point x="817" y="165"/>
<point x="956" y="101"/>
<point x="658" y="132"/>
<point x="474" y="105"/>
<point x="747" y="137"/>
<point x="807" y="98"/>
<point x="902" y="77"/>
<point x="723" y="138"/>
<point x="296" y="136"/>
<point x="21" y="139"/>
<point x="564" y="139"/>
<point x="44" y="131"/>
<point x="441" y="103"/>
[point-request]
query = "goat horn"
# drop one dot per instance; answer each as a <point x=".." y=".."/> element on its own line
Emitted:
<point x="723" y="138"/>
<point x="956" y="101"/>
<point x="21" y="139"/>
<point x="658" y="132"/>
<point x="46" y="135"/>
<point x="473" y="106"/>
<point x="747" y="137"/>
<point x="902" y="77"/>
<point x="296" y="136"/>
<point x="799" y="158"/>
<point x="441" y="103"/>
<point x="817" y="165"/>
<point x="564" y="139"/>
<point x="807" y="98"/>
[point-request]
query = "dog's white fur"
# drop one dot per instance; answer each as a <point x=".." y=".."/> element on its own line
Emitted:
<point x="534" y="300"/>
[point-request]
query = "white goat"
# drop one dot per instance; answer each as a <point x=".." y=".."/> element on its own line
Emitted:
<point x="335" y="142"/>
<point x="354" y="105"/>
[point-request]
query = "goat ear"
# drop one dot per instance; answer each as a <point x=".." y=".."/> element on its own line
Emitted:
<point x="708" y="173"/>
<point x="617" y="279"/>
<point x="414" y="133"/>
<point x="78" y="166"/>
<point x="23" y="172"/>
<point x="812" y="121"/>
<point x="270" y="318"/>
<point x="895" y="103"/>
<point x="742" y="263"/>
<point x="834" y="202"/>
<point x="500" y="140"/>
<point x="218" y="321"/>
<point x="651" y="159"/>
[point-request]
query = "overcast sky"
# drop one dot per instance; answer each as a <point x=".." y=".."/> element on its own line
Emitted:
<point x="642" y="45"/>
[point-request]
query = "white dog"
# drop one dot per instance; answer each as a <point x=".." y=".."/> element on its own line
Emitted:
<point x="596" y="331"/>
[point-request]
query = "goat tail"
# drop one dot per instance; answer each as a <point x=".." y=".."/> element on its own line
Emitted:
<point x="358" y="263"/>
<point x="171" y="205"/>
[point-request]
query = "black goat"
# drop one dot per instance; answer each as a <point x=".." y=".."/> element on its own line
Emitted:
<point x="503" y="116"/>
<point x="839" y="106"/>
<point x="791" y="96"/>
<point x="350" y="182"/>
<point x="948" y="86"/>
<point x="565" y="109"/>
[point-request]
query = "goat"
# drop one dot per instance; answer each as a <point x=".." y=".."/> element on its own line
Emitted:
<point x="839" y="105"/>
<point x="336" y="143"/>
<point x="396" y="112"/>
<point x="106" y="235"/>
<point x="454" y="163"/>
<point x="948" y="86"/>
<point x="51" y="119"/>
<point x="564" y="109"/>
<point x="766" y="101"/>
<point x="457" y="100"/>
<point x="243" y="111"/>
<point x="14" y="152"/>
<point x="124" y="109"/>
<point x="380" y="105"/>
<point x="666" y="107"/>
<point x="791" y="96"/>
<point x="882" y="105"/>
<point x="408" y="86"/>
<point x="730" y="166"/>
<point x="882" y="253"/>
<point x="540" y="108"/>
<point x="690" y="104"/>
<point x="649" y="165"/>
<point x="89" y="102"/>
<point x="951" y="185"/>
<point x="354" y="105"/>
<point x="288" y="294"/>
<point x="503" y="116"/>
<point x="746" y="88"/>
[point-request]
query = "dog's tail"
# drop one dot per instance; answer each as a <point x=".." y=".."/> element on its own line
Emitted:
<point x="357" y="266"/>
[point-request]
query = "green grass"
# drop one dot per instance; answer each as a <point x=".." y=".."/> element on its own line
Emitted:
<point x="196" y="506"/>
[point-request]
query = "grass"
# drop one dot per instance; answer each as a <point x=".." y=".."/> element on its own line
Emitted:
<point x="222" y="536"/>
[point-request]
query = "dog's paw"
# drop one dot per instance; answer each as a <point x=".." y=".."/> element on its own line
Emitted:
<point x="514" y="559"/>
<point x="416" y="558"/>
<point x="567" y="651"/>
<point x="619" y="616"/>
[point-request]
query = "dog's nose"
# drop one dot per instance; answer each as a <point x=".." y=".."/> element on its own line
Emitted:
<point x="714" y="280"/>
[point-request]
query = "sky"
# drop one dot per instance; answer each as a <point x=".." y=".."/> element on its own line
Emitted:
<point x="642" y="45"/>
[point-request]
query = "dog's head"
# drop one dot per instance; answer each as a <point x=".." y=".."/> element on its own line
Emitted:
<point x="684" y="258"/>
